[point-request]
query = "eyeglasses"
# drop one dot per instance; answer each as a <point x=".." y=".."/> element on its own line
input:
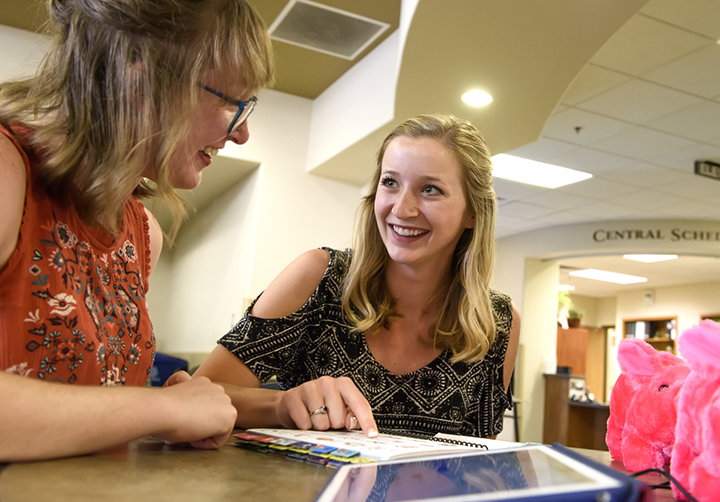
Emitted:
<point x="245" y="108"/>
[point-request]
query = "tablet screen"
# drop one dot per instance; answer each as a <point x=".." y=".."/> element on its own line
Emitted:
<point x="495" y="475"/>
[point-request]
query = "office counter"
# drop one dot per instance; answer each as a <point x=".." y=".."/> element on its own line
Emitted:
<point x="574" y="424"/>
<point x="149" y="470"/>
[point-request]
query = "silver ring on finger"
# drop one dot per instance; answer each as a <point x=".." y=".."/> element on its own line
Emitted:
<point x="320" y="411"/>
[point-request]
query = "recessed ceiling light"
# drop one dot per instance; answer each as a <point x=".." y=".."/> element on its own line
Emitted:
<point x="535" y="173"/>
<point x="650" y="258"/>
<point x="565" y="287"/>
<point x="602" y="275"/>
<point x="477" y="98"/>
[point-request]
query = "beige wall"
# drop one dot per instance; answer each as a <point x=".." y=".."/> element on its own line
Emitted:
<point x="589" y="306"/>
<point x="22" y="54"/>
<point x="512" y="276"/>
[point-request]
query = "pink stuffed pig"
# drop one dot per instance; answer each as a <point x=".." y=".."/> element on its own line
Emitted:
<point x="643" y="404"/>
<point x="696" y="457"/>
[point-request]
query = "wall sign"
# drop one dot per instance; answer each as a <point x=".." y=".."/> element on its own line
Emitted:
<point x="708" y="169"/>
<point x="648" y="234"/>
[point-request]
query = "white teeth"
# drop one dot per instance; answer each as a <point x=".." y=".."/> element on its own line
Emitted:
<point x="210" y="151"/>
<point x="406" y="232"/>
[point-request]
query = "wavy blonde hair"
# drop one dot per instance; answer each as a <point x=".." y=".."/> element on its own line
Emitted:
<point x="116" y="91"/>
<point x="465" y="322"/>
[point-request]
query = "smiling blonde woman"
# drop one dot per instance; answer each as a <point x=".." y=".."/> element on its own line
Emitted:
<point x="402" y="333"/>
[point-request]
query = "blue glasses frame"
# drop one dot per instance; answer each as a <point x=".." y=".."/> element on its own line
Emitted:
<point x="245" y="108"/>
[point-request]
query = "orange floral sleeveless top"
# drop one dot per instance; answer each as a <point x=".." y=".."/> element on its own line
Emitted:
<point x="72" y="297"/>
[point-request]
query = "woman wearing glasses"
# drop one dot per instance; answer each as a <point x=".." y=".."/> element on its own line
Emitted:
<point x="401" y="334"/>
<point x="133" y="99"/>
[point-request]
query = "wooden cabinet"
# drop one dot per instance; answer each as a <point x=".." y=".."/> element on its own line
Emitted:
<point x="572" y="347"/>
<point x="660" y="332"/>
<point x="584" y="351"/>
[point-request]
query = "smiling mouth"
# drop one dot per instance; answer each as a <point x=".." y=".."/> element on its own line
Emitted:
<point x="406" y="232"/>
<point x="209" y="152"/>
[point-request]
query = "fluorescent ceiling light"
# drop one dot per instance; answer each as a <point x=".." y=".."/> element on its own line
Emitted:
<point x="650" y="258"/>
<point x="565" y="287"/>
<point x="477" y="98"/>
<point x="535" y="173"/>
<point x="602" y="275"/>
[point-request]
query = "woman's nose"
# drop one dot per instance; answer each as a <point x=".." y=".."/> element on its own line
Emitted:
<point x="241" y="136"/>
<point x="405" y="205"/>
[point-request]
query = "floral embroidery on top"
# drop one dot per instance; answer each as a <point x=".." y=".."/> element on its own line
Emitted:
<point x="107" y="287"/>
<point x="69" y="289"/>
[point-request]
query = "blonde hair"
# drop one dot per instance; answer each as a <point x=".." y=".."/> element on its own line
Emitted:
<point x="465" y="322"/>
<point x="116" y="91"/>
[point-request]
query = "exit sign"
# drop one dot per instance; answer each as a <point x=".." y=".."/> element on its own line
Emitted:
<point x="708" y="169"/>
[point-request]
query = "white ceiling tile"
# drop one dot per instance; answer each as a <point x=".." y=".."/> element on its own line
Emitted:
<point x="508" y="225"/>
<point x="512" y="190"/>
<point x="692" y="210"/>
<point x="591" y="161"/>
<point x="607" y="211"/>
<point x="697" y="73"/>
<point x="543" y="150"/>
<point x="591" y="81"/>
<point x="684" y="158"/>
<point x="511" y="221"/>
<point x="582" y="127"/>
<point x="638" y="102"/>
<point x="700" y="16"/>
<point x="596" y="188"/>
<point x="565" y="218"/>
<point x="648" y="200"/>
<point x="523" y="210"/>
<point x="699" y="122"/>
<point x="643" y="175"/>
<point x="643" y="144"/>
<point x="558" y="200"/>
<point x="692" y="187"/>
<point x="643" y="44"/>
<point x="713" y="200"/>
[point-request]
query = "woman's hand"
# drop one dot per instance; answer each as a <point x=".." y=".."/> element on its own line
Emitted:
<point x="337" y="404"/>
<point x="205" y="416"/>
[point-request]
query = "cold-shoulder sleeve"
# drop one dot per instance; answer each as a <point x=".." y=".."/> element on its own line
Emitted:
<point x="278" y="347"/>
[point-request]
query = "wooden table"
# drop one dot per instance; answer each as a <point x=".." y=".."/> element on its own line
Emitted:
<point x="148" y="470"/>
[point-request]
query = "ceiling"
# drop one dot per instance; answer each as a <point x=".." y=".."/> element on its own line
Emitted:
<point x="293" y="73"/>
<point x="635" y="111"/>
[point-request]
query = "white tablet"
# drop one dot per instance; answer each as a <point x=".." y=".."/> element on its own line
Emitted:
<point x="526" y="473"/>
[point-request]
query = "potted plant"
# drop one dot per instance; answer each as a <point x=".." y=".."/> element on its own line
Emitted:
<point x="574" y="317"/>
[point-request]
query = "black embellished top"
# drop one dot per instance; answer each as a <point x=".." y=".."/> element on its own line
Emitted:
<point x="317" y="340"/>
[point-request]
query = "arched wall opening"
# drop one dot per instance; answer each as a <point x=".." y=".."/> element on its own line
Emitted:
<point x="527" y="268"/>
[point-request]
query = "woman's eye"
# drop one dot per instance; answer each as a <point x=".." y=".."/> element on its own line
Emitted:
<point x="388" y="182"/>
<point x="432" y="189"/>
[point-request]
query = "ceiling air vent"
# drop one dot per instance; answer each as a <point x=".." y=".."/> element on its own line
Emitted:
<point x="325" y="29"/>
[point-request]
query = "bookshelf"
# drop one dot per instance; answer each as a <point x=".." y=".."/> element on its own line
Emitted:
<point x="660" y="332"/>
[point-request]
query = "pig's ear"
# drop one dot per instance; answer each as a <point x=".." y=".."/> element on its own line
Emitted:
<point x="638" y="359"/>
<point x="700" y="346"/>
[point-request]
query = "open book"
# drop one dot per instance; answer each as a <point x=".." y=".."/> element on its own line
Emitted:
<point x="354" y="446"/>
